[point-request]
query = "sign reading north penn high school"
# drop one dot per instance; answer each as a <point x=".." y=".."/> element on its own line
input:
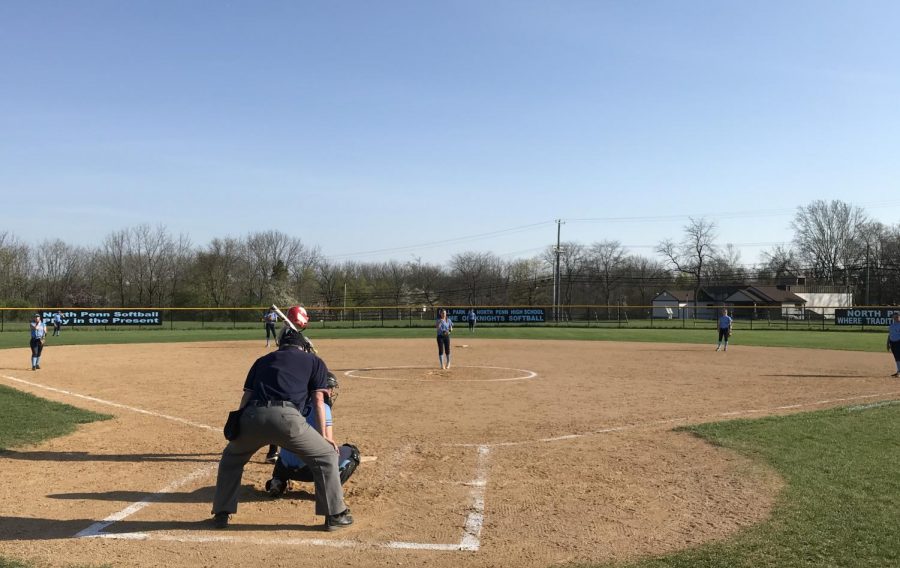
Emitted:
<point x="106" y="317"/>
<point x="499" y="315"/>
<point x="864" y="316"/>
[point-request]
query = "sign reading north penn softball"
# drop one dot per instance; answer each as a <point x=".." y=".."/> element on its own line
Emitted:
<point x="868" y="316"/>
<point x="499" y="315"/>
<point x="74" y="318"/>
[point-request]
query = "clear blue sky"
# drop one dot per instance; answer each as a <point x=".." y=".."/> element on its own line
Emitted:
<point x="362" y="126"/>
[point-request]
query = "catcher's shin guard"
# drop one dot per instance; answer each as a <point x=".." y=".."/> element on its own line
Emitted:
<point x="348" y="461"/>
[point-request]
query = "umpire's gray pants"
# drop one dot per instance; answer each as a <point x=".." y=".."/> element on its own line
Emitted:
<point x="264" y="425"/>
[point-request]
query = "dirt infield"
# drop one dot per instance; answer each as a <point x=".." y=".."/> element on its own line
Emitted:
<point x="531" y="453"/>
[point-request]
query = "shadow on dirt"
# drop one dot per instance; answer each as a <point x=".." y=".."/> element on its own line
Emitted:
<point x="22" y="528"/>
<point x="87" y="456"/>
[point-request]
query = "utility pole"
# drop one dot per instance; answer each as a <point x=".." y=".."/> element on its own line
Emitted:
<point x="556" y="276"/>
<point x="867" y="274"/>
<point x="344" y="311"/>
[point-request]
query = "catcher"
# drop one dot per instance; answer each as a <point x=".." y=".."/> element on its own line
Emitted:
<point x="290" y="467"/>
<point x="296" y="315"/>
<point x="443" y="326"/>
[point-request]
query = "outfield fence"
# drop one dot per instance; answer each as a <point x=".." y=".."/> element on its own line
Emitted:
<point x="634" y="317"/>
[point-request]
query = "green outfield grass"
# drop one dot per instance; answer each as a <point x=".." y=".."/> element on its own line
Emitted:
<point x="841" y="502"/>
<point x="847" y="340"/>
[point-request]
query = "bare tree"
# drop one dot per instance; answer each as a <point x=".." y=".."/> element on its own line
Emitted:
<point x="572" y="266"/>
<point x="725" y="267"/>
<point x="695" y="250"/>
<point x="779" y="263"/>
<point x="425" y="280"/>
<point x="14" y="268"/>
<point x="478" y="272"/>
<point x="527" y="279"/>
<point x="330" y="278"/>
<point x="828" y="238"/>
<point x="606" y="260"/>
<point x="303" y="273"/>
<point x="115" y="264"/>
<point x="646" y="275"/>
<point x="217" y="269"/>
<point x="58" y="270"/>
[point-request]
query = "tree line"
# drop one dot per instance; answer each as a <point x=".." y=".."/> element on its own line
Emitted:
<point x="835" y="243"/>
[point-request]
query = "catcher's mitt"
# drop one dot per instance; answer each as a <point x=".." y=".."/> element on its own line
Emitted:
<point x="446" y="333"/>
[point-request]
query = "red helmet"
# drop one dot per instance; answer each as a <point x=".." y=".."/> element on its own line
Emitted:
<point x="298" y="316"/>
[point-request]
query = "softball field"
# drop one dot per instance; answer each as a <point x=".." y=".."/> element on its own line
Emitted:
<point x="527" y="453"/>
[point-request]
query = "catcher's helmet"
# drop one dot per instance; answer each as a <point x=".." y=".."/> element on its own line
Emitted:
<point x="297" y="315"/>
<point x="333" y="385"/>
<point x="290" y="337"/>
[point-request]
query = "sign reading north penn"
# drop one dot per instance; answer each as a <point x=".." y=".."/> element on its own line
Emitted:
<point x="74" y="318"/>
<point x="499" y="315"/>
<point x="864" y="316"/>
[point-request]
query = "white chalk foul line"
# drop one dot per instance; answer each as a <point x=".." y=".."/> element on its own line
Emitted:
<point x="527" y="374"/>
<point x="657" y="423"/>
<point x="471" y="539"/>
<point x="96" y="528"/>
<point x="114" y="404"/>
<point x="284" y="541"/>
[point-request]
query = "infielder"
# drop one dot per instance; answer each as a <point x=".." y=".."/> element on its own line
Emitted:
<point x="57" y="322"/>
<point x="893" y="341"/>
<point x="725" y="323"/>
<point x="38" y="336"/>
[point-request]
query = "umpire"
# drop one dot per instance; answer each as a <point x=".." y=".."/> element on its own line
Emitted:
<point x="277" y="386"/>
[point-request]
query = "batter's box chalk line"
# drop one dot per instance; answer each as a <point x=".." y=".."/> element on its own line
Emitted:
<point x="525" y="374"/>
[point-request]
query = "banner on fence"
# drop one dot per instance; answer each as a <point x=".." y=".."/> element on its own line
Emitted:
<point x="499" y="315"/>
<point x="106" y="317"/>
<point x="863" y="316"/>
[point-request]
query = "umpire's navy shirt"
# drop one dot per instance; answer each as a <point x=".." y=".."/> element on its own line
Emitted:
<point x="287" y="374"/>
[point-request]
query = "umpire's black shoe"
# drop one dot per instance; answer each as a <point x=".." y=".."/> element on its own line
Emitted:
<point x="220" y="520"/>
<point x="339" y="521"/>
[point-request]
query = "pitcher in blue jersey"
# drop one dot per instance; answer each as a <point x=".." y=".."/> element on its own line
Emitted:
<point x="443" y="326"/>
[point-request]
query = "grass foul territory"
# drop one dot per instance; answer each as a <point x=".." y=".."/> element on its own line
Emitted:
<point x="27" y="419"/>
<point x="842" y="498"/>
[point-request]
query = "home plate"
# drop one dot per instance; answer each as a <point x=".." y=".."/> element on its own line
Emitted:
<point x="365" y="459"/>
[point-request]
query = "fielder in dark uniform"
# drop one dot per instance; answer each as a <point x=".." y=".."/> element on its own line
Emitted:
<point x="277" y="386"/>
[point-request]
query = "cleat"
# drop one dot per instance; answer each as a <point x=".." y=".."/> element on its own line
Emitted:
<point x="220" y="520"/>
<point x="275" y="488"/>
<point x="339" y="521"/>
